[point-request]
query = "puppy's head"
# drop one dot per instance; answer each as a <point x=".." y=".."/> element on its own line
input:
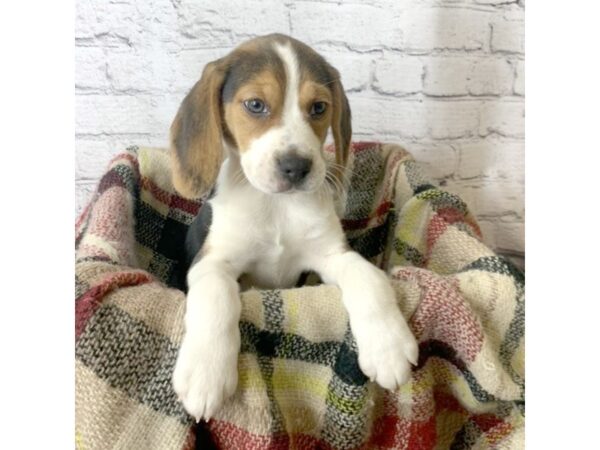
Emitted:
<point x="272" y="101"/>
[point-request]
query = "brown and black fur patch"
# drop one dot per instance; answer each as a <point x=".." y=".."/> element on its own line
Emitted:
<point x="247" y="62"/>
<point x="244" y="127"/>
<point x="313" y="67"/>
<point x="197" y="134"/>
<point x="311" y="92"/>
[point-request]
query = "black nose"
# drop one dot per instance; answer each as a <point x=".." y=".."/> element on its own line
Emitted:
<point x="293" y="168"/>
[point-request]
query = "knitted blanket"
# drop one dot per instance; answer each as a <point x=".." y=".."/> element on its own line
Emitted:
<point x="299" y="382"/>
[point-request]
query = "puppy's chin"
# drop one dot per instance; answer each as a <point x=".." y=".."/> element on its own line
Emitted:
<point x="276" y="185"/>
<point x="268" y="185"/>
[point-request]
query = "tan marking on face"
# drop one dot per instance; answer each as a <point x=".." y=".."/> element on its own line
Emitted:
<point x="244" y="126"/>
<point x="311" y="92"/>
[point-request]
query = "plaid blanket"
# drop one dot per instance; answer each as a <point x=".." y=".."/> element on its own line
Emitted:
<point x="299" y="381"/>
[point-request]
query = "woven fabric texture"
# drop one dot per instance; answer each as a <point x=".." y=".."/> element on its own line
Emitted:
<point x="300" y="386"/>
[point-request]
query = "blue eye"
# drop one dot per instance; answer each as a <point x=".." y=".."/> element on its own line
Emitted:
<point x="256" y="106"/>
<point x="318" y="109"/>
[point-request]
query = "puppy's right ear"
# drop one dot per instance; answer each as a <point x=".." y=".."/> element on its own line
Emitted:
<point x="197" y="134"/>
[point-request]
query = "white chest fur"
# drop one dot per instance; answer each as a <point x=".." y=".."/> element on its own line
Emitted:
<point x="272" y="235"/>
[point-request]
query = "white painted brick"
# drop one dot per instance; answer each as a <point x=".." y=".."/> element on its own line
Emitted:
<point x="446" y="76"/>
<point x="398" y="75"/>
<point x="90" y="18"/>
<point x="93" y="155"/>
<point x="84" y="192"/>
<point x="229" y="23"/>
<point x="195" y="35"/>
<point x="492" y="158"/>
<point x="386" y="115"/>
<point x="510" y="235"/>
<point x="355" y="69"/>
<point x="114" y="114"/>
<point x="489" y="232"/>
<point x="163" y="25"/>
<point x="92" y="158"/>
<point x="120" y="143"/>
<point x="495" y="2"/>
<point x="439" y="161"/>
<point x="511" y="14"/>
<point x="427" y="29"/>
<point x="367" y="26"/>
<point x="414" y="119"/>
<point x="519" y="88"/>
<point x="164" y="109"/>
<point x="189" y="64"/>
<point x="250" y="16"/>
<point x="490" y="76"/>
<point x="506" y="118"/>
<point x="90" y="70"/>
<point x="508" y="36"/>
<point x="490" y="199"/>
<point x="460" y="75"/>
<point x="131" y="70"/>
<point x="114" y="23"/>
<point x="451" y="119"/>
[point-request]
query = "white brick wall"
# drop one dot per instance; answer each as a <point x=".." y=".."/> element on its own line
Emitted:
<point x="445" y="78"/>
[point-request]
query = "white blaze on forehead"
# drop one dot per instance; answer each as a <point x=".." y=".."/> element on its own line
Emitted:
<point x="291" y="108"/>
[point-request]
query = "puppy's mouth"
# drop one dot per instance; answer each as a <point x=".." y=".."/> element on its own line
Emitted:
<point x="284" y="173"/>
<point x="277" y="185"/>
<point x="273" y="181"/>
<point x="282" y="186"/>
<point x="285" y="187"/>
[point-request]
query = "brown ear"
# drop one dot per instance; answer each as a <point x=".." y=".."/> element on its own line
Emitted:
<point x="341" y="125"/>
<point x="197" y="134"/>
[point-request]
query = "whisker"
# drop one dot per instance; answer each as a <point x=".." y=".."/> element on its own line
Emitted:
<point x="344" y="173"/>
<point x="344" y="169"/>
<point x="331" y="81"/>
<point x="334" y="183"/>
<point x="238" y="178"/>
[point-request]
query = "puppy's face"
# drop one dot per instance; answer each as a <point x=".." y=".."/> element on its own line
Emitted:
<point x="275" y="101"/>
<point x="278" y="119"/>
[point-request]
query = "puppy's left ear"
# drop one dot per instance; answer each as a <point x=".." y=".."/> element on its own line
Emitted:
<point x="197" y="134"/>
<point x="341" y="122"/>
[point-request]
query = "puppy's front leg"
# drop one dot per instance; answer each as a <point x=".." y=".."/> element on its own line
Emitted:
<point x="386" y="346"/>
<point x="206" y="369"/>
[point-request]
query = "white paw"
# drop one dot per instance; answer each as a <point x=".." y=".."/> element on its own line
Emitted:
<point x="206" y="372"/>
<point x="386" y="349"/>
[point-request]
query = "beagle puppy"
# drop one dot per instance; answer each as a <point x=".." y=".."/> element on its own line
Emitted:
<point x="252" y="129"/>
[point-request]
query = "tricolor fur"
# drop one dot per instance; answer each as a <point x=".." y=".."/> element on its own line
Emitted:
<point x="254" y="127"/>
